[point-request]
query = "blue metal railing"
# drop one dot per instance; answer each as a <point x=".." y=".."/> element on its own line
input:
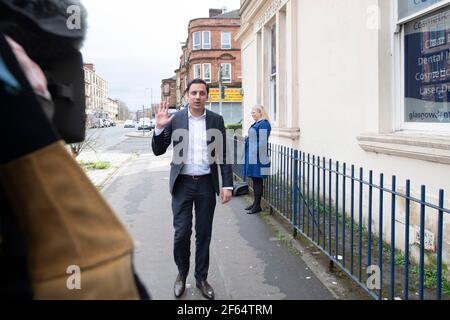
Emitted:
<point x="313" y="197"/>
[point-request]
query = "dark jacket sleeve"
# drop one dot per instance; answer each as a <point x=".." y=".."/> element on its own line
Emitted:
<point x="226" y="169"/>
<point x="162" y="142"/>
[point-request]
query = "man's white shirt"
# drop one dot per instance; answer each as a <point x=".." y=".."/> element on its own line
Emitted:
<point x="197" y="163"/>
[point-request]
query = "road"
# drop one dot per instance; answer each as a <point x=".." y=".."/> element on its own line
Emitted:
<point x="108" y="138"/>
<point x="248" y="261"/>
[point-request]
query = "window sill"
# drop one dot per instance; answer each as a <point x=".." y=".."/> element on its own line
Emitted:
<point x="426" y="147"/>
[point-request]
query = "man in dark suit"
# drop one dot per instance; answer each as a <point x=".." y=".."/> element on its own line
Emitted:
<point x="199" y="142"/>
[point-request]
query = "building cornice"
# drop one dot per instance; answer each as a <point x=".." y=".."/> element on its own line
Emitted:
<point x="208" y="27"/>
<point x="252" y="9"/>
<point x="252" y="15"/>
<point x="210" y="22"/>
<point x="244" y="7"/>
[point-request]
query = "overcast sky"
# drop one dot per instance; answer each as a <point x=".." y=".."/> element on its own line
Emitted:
<point x="134" y="44"/>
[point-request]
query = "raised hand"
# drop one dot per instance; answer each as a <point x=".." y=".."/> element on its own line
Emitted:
<point x="162" y="117"/>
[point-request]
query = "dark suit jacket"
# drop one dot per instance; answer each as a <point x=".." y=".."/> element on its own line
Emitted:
<point x="181" y="144"/>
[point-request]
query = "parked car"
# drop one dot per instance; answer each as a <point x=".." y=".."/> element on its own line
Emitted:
<point x="98" y="123"/>
<point x="153" y="123"/>
<point x="107" y="122"/>
<point x="129" y="124"/>
<point x="144" y="124"/>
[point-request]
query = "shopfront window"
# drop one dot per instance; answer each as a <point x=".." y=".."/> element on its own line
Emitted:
<point x="427" y="69"/>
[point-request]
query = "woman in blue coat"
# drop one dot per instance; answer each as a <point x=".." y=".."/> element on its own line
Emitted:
<point x="257" y="159"/>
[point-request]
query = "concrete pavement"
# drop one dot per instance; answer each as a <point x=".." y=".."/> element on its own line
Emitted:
<point x="249" y="256"/>
<point x="100" y="177"/>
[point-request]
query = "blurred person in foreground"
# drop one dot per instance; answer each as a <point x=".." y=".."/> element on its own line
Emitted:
<point x="59" y="239"/>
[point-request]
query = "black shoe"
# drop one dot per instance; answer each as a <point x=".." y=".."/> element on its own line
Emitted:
<point x="254" y="211"/>
<point x="249" y="207"/>
<point x="179" y="286"/>
<point x="206" y="289"/>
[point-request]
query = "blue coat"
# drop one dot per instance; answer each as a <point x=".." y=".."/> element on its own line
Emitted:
<point x="256" y="156"/>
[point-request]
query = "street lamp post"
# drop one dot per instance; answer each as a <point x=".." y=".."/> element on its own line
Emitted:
<point x="220" y="89"/>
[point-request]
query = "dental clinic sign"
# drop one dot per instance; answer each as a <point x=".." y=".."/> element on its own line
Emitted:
<point x="427" y="68"/>
<point x="410" y="7"/>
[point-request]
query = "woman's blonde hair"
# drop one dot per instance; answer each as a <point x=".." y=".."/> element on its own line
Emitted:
<point x="263" y="111"/>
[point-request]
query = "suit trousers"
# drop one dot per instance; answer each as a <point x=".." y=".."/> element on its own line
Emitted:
<point x="189" y="192"/>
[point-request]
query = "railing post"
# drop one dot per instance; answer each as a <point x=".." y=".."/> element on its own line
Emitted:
<point x="380" y="235"/>
<point x="324" y="203"/>
<point x="407" y="224"/>
<point x="392" y="287"/>
<point x="439" y="245"/>
<point x="344" y="220"/>
<point x="308" y="209"/>
<point x="422" y="244"/>
<point x="313" y="211"/>
<point x="360" y="221"/>
<point x="295" y="191"/>
<point x="336" y="242"/>
<point x="352" y="217"/>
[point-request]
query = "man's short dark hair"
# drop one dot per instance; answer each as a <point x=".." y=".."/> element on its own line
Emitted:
<point x="197" y="81"/>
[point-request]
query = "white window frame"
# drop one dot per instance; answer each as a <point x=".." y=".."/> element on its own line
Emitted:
<point x="225" y="46"/>
<point x="206" y="45"/>
<point x="399" y="72"/>
<point x="197" y="74"/>
<point x="231" y="73"/>
<point x="196" y="46"/>
<point x="208" y="80"/>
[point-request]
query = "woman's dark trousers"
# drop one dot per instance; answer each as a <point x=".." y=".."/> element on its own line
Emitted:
<point x="258" y="188"/>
